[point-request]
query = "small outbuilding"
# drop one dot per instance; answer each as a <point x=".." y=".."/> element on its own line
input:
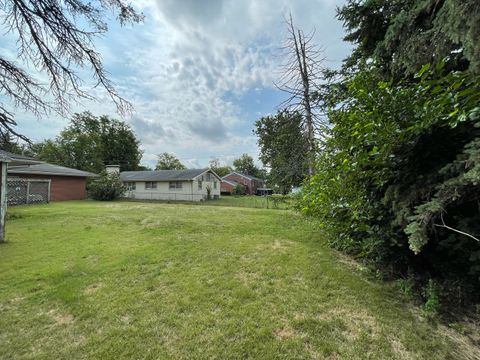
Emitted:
<point x="63" y="183"/>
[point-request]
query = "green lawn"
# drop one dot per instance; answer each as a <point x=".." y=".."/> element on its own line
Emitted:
<point x="146" y="281"/>
<point x="249" y="201"/>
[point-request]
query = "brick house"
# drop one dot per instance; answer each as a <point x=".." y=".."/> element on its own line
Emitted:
<point x="65" y="183"/>
<point x="251" y="183"/>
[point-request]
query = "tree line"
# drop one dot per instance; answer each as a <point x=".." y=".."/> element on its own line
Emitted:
<point x="91" y="142"/>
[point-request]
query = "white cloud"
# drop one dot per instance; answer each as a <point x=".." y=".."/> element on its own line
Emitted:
<point x="185" y="68"/>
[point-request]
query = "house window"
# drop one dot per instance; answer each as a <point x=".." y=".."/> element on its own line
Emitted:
<point x="199" y="184"/>
<point x="172" y="185"/>
<point x="150" y="185"/>
<point x="130" y="185"/>
<point x="214" y="184"/>
<point x="209" y="177"/>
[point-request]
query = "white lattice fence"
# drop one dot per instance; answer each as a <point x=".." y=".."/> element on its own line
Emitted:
<point x="27" y="191"/>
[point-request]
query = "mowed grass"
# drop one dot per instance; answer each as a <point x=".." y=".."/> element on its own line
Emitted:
<point x="252" y="201"/>
<point x="127" y="280"/>
<point x="248" y="201"/>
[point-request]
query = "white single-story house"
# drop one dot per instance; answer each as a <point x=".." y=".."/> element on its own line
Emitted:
<point x="183" y="185"/>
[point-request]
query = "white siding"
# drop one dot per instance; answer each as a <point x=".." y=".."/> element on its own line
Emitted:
<point x="188" y="192"/>
<point x="203" y="192"/>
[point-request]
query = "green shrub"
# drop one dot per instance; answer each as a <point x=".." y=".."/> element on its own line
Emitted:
<point x="107" y="187"/>
<point x="239" y="189"/>
<point x="400" y="172"/>
<point x="432" y="299"/>
<point x="407" y="286"/>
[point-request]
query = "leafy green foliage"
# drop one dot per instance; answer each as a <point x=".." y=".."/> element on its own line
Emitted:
<point x="245" y="165"/>
<point x="432" y="299"/>
<point x="107" y="187"/>
<point x="402" y="159"/>
<point x="218" y="168"/>
<point x="239" y="189"/>
<point x="283" y="148"/>
<point x="91" y="142"/>
<point x="167" y="161"/>
<point x="8" y="142"/>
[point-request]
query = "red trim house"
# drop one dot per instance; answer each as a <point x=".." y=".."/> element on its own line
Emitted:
<point x="251" y="183"/>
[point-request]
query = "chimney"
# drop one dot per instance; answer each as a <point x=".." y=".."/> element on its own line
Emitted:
<point x="112" y="169"/>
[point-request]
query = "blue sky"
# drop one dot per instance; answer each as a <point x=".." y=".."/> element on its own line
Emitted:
<point x="199" y="73"/>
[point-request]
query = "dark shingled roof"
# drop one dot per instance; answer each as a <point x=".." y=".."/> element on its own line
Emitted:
<point x="49" y="169"/>
<point x="16" y="158"/>
<point x="161" y="175"/>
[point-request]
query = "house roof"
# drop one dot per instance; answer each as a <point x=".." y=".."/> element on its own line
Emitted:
<point x="231" y="182"/>
<point x="16" y="159"/>
<point x="162" y="175"/>
<point x="48" y="169"/>
<point x="249" y="177"/>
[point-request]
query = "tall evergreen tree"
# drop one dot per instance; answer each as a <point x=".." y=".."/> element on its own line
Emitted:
<point x="402" y="35"/>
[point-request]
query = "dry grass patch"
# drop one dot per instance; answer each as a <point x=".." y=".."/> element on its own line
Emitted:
<point x="60" y="318"/>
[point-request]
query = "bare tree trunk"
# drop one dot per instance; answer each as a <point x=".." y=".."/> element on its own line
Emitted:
<point x="301" y="75"/>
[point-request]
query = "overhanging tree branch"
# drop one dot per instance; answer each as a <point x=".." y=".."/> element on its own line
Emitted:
<point x="51" y="39"/>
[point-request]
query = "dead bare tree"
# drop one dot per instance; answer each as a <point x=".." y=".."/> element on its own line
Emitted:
<point x="56" y="38"/>
<point x="301" y="75"/>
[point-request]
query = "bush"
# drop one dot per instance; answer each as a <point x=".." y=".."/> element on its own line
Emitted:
<point x="239" y="189"/>
<point x="107" y="187"/>
<point x="398" y="180"/>
<point x="432" y="299"/>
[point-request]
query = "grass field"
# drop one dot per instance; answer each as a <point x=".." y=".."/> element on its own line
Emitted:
<point x="128" y="280"/>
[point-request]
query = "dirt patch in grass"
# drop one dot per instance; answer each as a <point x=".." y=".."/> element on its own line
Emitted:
<point x="92" y="289"/>
<point x="277" y="245"/>
<point x="285" y="333"/>
<point x="399" y="349"/>
<point x="247" y="278"/>
<point x="357" y="322"/>
<point x="60" y="318"/>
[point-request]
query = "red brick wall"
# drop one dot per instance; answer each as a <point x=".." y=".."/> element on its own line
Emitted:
<point x="61" y="187"/>
<point x="226" y="187"/>
<point x="241" y="180"/>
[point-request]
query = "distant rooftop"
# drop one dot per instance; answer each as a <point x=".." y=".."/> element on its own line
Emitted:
<point x="231" y="182"/>
<point x="249" y="177"/>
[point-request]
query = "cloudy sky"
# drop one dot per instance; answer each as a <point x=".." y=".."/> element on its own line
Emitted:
<point x="199" y="73"/>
